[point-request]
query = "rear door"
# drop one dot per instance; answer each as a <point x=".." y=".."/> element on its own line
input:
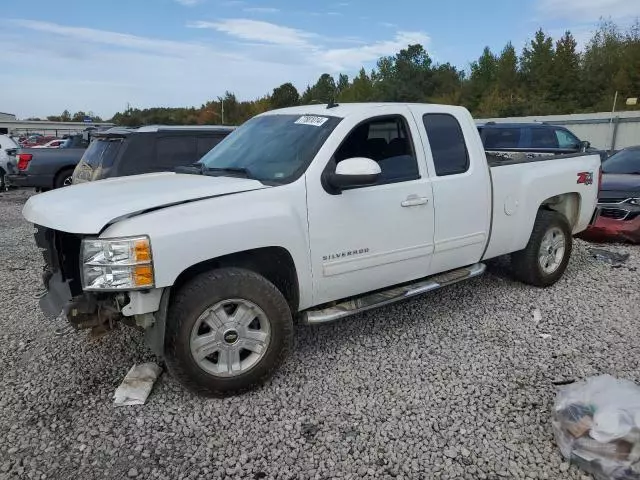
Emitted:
<point x="461" y="184"/>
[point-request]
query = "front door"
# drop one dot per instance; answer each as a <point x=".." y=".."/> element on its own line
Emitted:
<point x="372" y="237"/>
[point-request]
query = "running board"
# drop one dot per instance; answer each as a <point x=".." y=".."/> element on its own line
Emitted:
<point x="392" y="295"/>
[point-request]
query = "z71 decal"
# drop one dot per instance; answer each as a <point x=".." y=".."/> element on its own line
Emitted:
<point x="585" y="178"/>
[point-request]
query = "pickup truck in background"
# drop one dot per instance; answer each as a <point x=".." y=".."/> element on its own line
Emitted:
<point x="526" y="140"/>
<point x="312" y="213"/>
<point x="119" y="152"/>
<point x="47" y="168"/>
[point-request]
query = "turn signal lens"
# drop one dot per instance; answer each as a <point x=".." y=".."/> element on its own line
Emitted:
<point x="143" y="276"/>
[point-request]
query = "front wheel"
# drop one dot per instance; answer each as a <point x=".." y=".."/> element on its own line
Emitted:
<point x="546" y="256"/>
<point x="228" y="330"/>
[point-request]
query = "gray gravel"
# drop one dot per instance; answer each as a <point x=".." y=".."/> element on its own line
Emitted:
<point x="457" y="384"/>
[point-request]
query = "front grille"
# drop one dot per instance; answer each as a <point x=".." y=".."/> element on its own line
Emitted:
<point x="614" y="213"/>
<point x="61" y="252"/>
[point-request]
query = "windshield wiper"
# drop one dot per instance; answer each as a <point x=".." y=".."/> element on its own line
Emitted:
<point x="195" y="169"/>
<point x="237" y="170"/>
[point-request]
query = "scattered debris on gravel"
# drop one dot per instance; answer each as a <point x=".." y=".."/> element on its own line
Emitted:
<point x="456" y="384"/>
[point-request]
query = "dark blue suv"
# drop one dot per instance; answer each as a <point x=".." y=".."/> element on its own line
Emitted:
<point x="530" y="137"/>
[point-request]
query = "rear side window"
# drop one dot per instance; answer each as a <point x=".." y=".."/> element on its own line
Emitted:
<point x="501" y="138"/>
<point x="207" y="143"/>
<point x="102" y="152"/>
<point x="448" y="147"/>
<point x="174" y="151"/>
<point x="543" y="138"/>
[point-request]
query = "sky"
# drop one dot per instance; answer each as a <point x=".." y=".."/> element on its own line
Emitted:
<point x="102" y="56"/>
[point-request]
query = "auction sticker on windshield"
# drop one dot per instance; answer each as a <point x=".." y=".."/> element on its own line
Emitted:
<point x="311" y="120"/>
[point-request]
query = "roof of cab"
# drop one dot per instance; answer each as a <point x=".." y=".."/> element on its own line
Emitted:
<point x="122" y="131"/>
<point x="342" y="110"/>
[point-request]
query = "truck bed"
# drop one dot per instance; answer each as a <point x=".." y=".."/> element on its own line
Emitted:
<point x="500" y="159"/>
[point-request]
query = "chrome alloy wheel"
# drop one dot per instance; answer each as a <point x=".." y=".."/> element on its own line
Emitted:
<point x="230" y="337"/>
<point x="552" y="250"/>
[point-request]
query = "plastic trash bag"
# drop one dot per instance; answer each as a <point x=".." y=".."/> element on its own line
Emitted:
<point x="596" y="423"/>
<point x="137" y="385"/>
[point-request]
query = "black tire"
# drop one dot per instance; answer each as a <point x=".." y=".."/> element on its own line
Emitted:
<point x="203" y="292"/>
<point x="3" y="184"/>
<point x="62" y="178"/>
<point x="526" y="265"/>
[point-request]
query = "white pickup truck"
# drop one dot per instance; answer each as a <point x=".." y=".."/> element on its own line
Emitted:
<point x="311" y="213"/>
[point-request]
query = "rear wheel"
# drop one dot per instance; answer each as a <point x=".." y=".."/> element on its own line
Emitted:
<point x="547" y="254"/>
<point x="3" y="184"/>
<point x="63" y="178"/>
<point x="228" y="330"/>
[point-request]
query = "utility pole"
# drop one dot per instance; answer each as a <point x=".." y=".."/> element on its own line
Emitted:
<point x="222" y="102"/>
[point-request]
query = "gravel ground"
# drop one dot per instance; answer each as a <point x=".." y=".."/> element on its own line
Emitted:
<point x="457" y="384"/>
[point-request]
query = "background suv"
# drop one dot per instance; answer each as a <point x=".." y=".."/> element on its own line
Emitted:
<point x="530" y="137"/>
<point x="120" y="152"/>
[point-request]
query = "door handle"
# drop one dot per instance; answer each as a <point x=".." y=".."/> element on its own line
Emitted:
<point x="414" y="201"/>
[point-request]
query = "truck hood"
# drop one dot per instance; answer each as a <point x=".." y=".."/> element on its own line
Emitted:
<point x="620" y="181"/>
<point x="89" y="207"/>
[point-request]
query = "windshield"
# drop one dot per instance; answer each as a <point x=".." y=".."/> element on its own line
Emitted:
<point x="626" y="161"/>
<point x="102" y="152"/>
<point x="272" y="148"/>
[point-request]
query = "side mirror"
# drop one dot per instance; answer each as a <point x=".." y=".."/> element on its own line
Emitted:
<point x="354" y="172"/>
<point x="584" y="146"/>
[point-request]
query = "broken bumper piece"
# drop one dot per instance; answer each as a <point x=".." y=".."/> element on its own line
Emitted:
<point x="609" y="229"/>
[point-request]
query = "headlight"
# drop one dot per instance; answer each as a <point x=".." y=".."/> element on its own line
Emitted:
<point x="635" y="201"/>
<point x="117" y="264"/>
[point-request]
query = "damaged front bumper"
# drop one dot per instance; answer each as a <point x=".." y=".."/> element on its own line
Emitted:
<point x="609" y="229"/>
<point x="614" y="222"/>
<point x="62" y="294"/>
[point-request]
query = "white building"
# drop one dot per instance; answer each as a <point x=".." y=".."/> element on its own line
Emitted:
<point x="7" y="116"/>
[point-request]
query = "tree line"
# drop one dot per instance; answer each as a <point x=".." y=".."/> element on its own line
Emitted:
<point x="547" y="77"/>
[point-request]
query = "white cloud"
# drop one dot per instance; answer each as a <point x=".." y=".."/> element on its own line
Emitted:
<point x="590" y="10"/>
<point x="83" y="68"/>
<point x="189" y="3"/>
<point x="346" y="58"/>
<point x="260" y="31"/>
<point x="261" y="10"/>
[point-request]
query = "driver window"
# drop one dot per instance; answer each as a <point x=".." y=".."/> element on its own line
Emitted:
<point x="386" y="141"/>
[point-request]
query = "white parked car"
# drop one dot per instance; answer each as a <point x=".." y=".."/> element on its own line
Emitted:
<point x="313" y="213"/>
<point x="8" y="149"/>
<point x="57" y="143"/>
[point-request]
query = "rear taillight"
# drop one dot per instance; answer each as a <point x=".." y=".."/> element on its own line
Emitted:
<point x="23" y="160"/>
<point x="599" y="178"/>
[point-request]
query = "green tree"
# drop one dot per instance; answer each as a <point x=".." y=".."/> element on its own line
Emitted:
<point x="78" y="116"/>
<point x="482" y="79"/>
<point x="406" y="77"/>
<point x="322" y="92"/>
<point x="537" y="67"/>
<point x="564" y="90"/>
<point x="361" y="89"/>
<point x="286" y="95"/>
